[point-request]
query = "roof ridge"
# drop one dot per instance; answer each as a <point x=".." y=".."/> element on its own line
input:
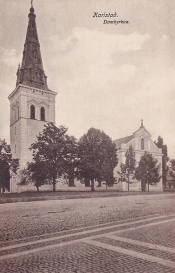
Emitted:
<point x="124" y="137"/>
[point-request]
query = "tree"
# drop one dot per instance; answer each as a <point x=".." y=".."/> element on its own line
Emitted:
<point x="35" y="173"/>
<point x="53" y="151"/>
<point x="71" y="159"/>
<point x="98" y="156"/>
<point x="128" y="169"/>
<point x="107" y="171"/>
<point x="171" y="170"/>
<point x="7" y="165"/>
<point x="165" y="158"/>
<point x="107" y="175"/>
<point x="148" y="171"/>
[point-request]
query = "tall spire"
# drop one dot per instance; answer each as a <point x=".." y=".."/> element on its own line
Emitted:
<point x="31" y="72"/>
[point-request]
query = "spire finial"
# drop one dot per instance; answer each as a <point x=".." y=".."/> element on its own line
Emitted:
<point x="32" y="9"/>
<point x="141" y="122"/>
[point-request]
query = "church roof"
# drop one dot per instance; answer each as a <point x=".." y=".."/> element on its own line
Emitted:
<point x="125" y="140"/>
<point x="31" y="72"/>
<point x="142" y="127"/>
<point x="122" y="140"/>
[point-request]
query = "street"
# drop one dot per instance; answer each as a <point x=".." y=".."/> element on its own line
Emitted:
<point x="111" y="234"/>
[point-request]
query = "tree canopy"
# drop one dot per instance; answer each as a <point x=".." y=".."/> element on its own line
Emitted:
<point x="7" y="165"/>
<point x="128" y="169"/>
<point x="171" y="170"/>
<point x="54" y="151"/>
<point x="35" y="173"/>
<point x="98" y="156"/>
<point x="159" y="143"/>
<point x="148" y="171"/>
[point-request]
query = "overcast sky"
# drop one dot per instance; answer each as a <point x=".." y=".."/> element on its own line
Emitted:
<point x="107" y="76"/>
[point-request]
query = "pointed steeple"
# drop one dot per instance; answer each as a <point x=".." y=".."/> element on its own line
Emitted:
<point x="31" y="72"/>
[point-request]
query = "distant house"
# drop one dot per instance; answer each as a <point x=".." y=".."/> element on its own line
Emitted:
<point x="141" y="142"/>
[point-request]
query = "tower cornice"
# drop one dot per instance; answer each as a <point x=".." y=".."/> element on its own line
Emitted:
<point x="32" y="89"/>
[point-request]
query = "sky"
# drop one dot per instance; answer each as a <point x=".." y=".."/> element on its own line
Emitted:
<point x="108" y="76"/>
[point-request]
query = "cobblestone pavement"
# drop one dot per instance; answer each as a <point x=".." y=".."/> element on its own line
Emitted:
<point x="127" y="234"/>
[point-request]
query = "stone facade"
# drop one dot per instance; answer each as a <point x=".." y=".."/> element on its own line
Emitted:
<point x="24" y="129"/>
<point x="141" y="143"/>
<point x="32" y="103"/>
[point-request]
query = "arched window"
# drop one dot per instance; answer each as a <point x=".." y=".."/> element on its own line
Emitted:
<point x="142" y="144"/>
<point x="42" y="113"/>
<point x="17" y="112"/>
<point x="32" y="112"/>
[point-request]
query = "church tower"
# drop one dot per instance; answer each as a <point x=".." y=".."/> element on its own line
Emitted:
<point x="32" y="103"/>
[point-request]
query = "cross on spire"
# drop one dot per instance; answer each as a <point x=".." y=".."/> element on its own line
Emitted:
<point x="31" y="9"/>
<point x="141" y="122"/>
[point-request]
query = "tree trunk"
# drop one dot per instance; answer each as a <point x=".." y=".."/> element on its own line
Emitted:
<point x="37" y="188"/>
<point x="87" y="182"/>
<point x="71" y="177"/>
<point x="128" y="183"/>
<point x="143" y="185"/>
<point x="148" y="187"/>
<point x="54" y="184"/>
<point x="71" y="182"/>
<point x="92" y="185"/>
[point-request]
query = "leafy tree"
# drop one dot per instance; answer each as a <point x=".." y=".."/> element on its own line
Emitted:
<point x="97" y="155"/>
<point x="165" y="158"/>
<point x="7" y="165"/>
<point x="107" y="175"/>
<point x="71" y="159"/>
<point x="148" y="171"/>
<point x="128" y="169"/>
<point x="35" y="173"/>
<point x="54" y="152"/>
<point x="107" y="172"/>
<point x="171" y="170"/>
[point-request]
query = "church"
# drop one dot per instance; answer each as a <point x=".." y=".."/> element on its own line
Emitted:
<point x="32" y="103"/>
<point x="141" y="142"/>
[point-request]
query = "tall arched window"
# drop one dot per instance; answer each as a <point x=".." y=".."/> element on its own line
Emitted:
<point x="17" y="112"/>
<point x="142" y="144"/>
<point x="32" y="112"/>
<point x="42" y="113"/>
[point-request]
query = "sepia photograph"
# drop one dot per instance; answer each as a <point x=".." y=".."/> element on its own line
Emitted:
<point x="87" y="149"/>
